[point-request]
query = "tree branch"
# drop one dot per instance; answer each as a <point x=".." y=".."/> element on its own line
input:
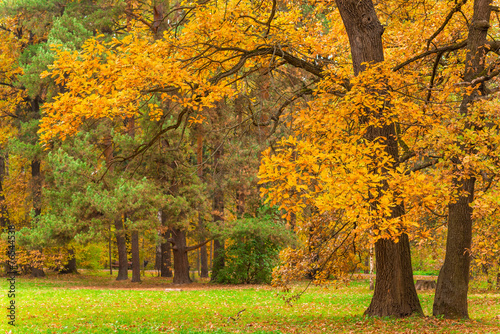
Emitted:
<point x="455" y="9"/>
<point x="190" y="248"/>
<point x="451" y="47"/>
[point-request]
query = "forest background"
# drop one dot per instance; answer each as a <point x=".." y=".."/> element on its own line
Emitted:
<point x="213" y="135"/>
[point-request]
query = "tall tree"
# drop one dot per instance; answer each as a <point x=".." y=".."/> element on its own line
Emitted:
<point x="453" y="281"/>
<point x="218" y="213"/>
<point x="395" y="292"/>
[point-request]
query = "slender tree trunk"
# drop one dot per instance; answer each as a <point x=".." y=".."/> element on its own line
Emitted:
<point x="136" y="260"/>
<point x="395" y="293"/>
<point x="109" y="252"/>
<point x="203" y="254"/>
<point x="36" y="189"/>
<point x="122" y="250"/>
<point x="453" y="281"/>
<point x="4" y="213"/>
<point x="498" y="280"/>
<point x="370" y="260"/>
<point x="181" y="263"/>
<point x="201" y="225"/>
<point x="158" y="258"/>
<point x="219" y="259"/>
<point x="218" y="217"/>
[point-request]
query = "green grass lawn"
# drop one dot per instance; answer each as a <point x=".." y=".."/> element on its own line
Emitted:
<point x="98" y="304"/>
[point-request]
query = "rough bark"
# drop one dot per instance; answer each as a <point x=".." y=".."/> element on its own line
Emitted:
<point x="395" y="293"/>
<point x="181" y="263"/>
<point x="122" y="250"/>
<point x="453" y="281"/>
<point x="136" y="260"/>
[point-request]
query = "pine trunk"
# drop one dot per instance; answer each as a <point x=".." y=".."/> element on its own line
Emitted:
<point x="218" y="216"/>
<point x="165" y="249"/>
<point x="201" y="226"/>
<point x="122" y="251"/>
<point x="166" y="256"/>
<point x="36" y="192"/>
<point x="452" y="287"/>
<point x="181" y="263"/>
<point x="158" y="258"/>
<point x="136" y="260"/>
<point x="204" y="261"/>
<point x="395" y="293"/>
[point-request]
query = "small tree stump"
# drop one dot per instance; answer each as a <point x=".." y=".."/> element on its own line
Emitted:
<point x="423" y="284"/>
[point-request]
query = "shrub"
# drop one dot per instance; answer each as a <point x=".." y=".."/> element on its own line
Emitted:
<point x="252" y="248"/>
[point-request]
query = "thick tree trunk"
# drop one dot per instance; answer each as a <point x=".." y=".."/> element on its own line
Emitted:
<point x="395" y="293"/>
<point x="70" y="267"/>
<point x="136" y="260"/>
<point x="166" y="256"/>
<point x="122" y="250"/>
<point x="165" y="249"/>
<point x="453" y="282"/>
<point x="181" y="263"/>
